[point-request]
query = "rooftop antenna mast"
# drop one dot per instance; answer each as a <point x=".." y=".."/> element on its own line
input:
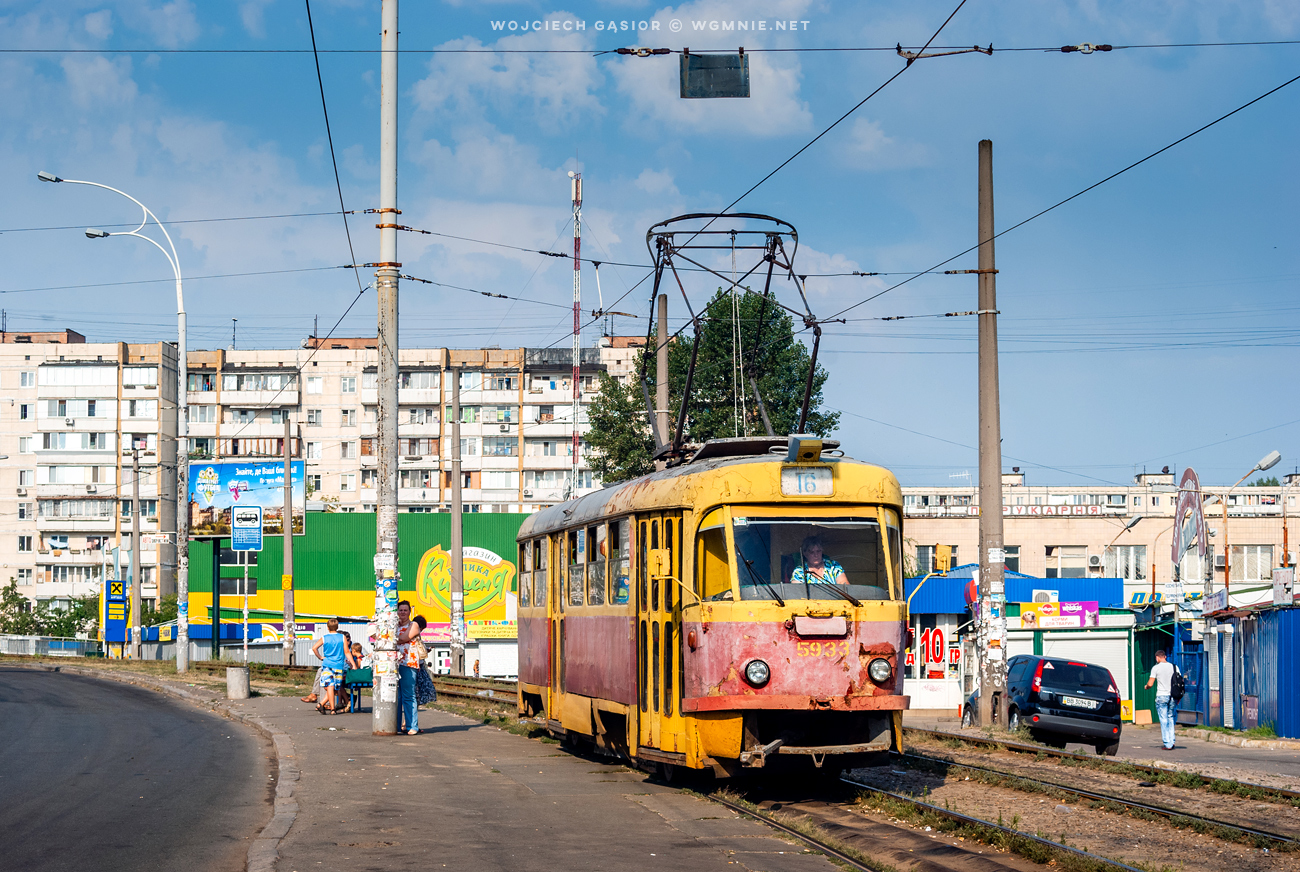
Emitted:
<point x="576" y="192"/>
<point x="233" y="323"/>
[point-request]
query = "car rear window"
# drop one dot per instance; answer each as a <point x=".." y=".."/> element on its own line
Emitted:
<point x="1071" y="675"/>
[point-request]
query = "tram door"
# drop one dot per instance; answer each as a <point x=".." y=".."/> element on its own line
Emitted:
<point x="659" y="562"/>
<point x="557" y="581"/>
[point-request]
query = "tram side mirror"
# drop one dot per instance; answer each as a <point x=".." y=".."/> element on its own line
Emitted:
<point x="804" y="449"/>
<point x="942" y="558"/>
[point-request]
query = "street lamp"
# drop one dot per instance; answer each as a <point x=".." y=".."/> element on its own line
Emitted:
<point x="182" y="424"/>
<point x="1268" y="462"/>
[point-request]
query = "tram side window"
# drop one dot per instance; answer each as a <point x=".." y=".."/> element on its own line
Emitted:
<point x="525" y="574"/>
<point x="712" y="574"/>
<point x="671" y="570"/>
<point x="539" y="572"/>
<point x="577" y="564"/>
<point x="618" y="548"/>
<point x="596" y="565"/>
<point x="642" y="564"/>
<point x="895" y="546"/>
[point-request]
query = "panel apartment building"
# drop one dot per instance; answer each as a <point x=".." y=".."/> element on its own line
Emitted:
<point x="74" y="408"/>
<point x="1110" y="531"/>
<point x="70" y="414"/>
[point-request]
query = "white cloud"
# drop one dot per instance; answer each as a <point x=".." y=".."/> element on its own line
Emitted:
<point x="250" y="14"/>
<point x="656" y="182"/>
<point x="99" y="24"/>
<point x="868" y="147"/>
<point x="173" y="24"/>
<point x="95" y="81"/>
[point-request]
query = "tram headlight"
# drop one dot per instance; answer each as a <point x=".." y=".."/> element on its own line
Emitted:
<point x="880" y="670"/>
<point x="757" y="673"/>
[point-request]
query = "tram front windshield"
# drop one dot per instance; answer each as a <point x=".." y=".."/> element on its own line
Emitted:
<point x="812" y="558"/>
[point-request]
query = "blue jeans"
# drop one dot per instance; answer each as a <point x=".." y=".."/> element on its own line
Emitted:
<point x="1166" y="708"/>
<point x="407" y="711"/>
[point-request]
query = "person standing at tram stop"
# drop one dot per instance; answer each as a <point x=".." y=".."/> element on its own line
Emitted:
<point x="1162" y="676"/>
<point x="407" y="663"/>
<point x="815" y="567"/>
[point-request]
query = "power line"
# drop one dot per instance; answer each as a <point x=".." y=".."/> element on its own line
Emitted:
<point x="1077" y="194"/>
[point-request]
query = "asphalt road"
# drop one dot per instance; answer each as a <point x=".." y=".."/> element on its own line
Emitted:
<point x="99" y="775"/>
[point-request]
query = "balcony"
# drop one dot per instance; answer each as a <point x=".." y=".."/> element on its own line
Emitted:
<point x="244" y="399"/>
<point x="76" y="524"/>
<point x="420" y="397"/>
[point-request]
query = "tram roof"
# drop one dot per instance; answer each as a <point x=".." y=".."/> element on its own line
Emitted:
<point x="676" y="488"/>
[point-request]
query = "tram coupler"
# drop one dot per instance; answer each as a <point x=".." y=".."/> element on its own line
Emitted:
<point x="758" y="757"/>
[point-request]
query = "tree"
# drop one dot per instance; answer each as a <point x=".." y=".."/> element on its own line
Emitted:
<point x="16" y="614"/>
<point x="1271" y="481"/>
<point x="81" y="617"/>
<point x="619" y="431"/>
<point x="166" y="611"/>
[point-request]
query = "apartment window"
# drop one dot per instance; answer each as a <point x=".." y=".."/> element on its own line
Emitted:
<point x="925" y="559"/>
<point x="500" y="479"/>
<point x="417" y="447"/>
<point x="148" y="509"/>
<point x="422" y="416"/>
<point x="26" y="411"/>
<point x="1067" y="561"/>
<point x="1115" y="500"/>
<point x="278" y="416"/>
<point x="141" y="408"/>
<point x="25" y="576"/>
<point x="503" y="383"/>
<point x="468" y="414"/>
<point x="313" y="482"/>
<point x="500" y="446"/>
<point x="468" y="446"/>
<point x="349" y="417"/>
<point x="348" y="482"/>
<point x="315" y="384"/>
<point x="24" y="511"/>
<point x="500" y="414"/>
<point x="57" y="540"/>
<point x="370" y="380"/>
<point x="24" y="445"/>
<point x="423" y="380"/>
<point x="545" y="414"/>
<point x="348" y="450"/>
<point x="425" y="510"/>
<point x="56" y="408"/>
<point x="471" y="381"/>
<point x="1128" y="562"/>
<point x="140" y="377"/>
<point x="24" y="544"/>
<point x="348" y="384"/>
<point x="1137" y="501"/>
<point x="1155" y="502"/>
<point x="1012" y="563"/>
<point x="258" y="381"/>
<point x="313" y="417"/>
<point x="243" y="416"/>
<point x="546" y="448"/>
<point x="201" y="414"/>
<point x="422" y="478"/>
<point x="1251" y="563"/>
<point x="27" y="379"/>
<point x="369" y="477"/>
<point x="313" y="451"/>
<point x="370" y="447"/>
<point x="201" y="448"/>
<point x="201" y="381"/>
<point x="547" y="479"/>
<point x="74" y="508"/>
<point x="26" y="477"/>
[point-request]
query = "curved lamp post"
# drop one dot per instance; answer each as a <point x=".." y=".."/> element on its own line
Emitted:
<point x="1268" y="462"/>
<point x="182" y="425"/>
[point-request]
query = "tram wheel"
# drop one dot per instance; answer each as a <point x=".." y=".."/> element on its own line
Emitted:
<point x="668" y="773"/>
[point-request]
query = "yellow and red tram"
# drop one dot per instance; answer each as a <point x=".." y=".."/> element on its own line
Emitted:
<point x="675" y="619"/>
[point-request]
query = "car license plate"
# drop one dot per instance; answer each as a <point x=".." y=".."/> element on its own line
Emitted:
<point x="1080" y="703"/>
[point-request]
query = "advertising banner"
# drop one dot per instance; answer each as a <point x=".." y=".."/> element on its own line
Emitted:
<point x="490" y="608"/>
<point x="1059" y="616"/>
<point x="218" y="488"/>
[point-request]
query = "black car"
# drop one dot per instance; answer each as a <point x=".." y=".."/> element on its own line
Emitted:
<point x="1059" y="700"/>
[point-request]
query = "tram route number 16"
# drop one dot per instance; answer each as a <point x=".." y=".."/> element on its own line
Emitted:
<point x="802" y="481"/>
<point x="932" y="647"/>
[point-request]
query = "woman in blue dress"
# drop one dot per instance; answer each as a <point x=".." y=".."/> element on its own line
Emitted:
<point x="816" y="568"/>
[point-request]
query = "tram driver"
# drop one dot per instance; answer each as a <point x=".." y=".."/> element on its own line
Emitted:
<point x="815" y="567"/>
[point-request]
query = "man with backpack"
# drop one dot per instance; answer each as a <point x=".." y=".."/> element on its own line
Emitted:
<point x="1164" y="676"/>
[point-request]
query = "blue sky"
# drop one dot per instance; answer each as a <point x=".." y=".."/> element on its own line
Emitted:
<point x="1150" y="322"/>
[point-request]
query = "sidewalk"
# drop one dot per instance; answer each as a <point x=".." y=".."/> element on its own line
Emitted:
<point x="465" y="796"/>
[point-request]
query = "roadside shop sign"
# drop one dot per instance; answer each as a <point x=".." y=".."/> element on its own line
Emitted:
<point x="115" y="611"/>
<point x="1055" y="616"/>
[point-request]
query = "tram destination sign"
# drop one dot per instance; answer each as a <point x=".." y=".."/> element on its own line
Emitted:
<point x="807" y="481"/>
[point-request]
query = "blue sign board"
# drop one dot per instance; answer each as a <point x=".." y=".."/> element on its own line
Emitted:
<point x="246" y="528"/>
<point x="217" y="489"/>
<point x="115" y="611"/>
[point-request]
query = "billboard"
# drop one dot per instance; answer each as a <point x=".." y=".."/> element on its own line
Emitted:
<point x="489" y="581"/>
<point x="1059" y="616"/>
<point x="216" y="489"/>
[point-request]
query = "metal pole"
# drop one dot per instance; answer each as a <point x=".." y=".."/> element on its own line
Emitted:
<point x="661" y="371"/>
<point x="384" y="720"/>
<point x="216" y="598"/>
<point x="457" y="537"/>
<point x="286" y="578"/>
<point x="992" y="631"/>
<point x="182" y="484"/>
<point x="135" y="552"/>
<point x="244" y="557"/>
<point x="577" y="324"/>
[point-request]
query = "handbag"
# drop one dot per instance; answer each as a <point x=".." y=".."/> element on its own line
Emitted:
<point x="425" y="691"/>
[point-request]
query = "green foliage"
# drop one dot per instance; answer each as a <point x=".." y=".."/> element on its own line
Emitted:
<point x="621" y="436"/>
<point x="19" y="618"/>
<point x="1271" y="481"/>
<point x="16" y="615"/>
<point x="166" y="611"/>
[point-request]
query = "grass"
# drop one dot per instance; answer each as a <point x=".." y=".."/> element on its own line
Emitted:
<point x="1263" y="731"/>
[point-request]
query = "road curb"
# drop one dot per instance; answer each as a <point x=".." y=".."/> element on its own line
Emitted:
<point x="264" y="851"/>
<point x="1242" y="741"/>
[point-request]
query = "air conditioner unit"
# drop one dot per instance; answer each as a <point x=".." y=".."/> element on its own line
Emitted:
<point x="1219" y="562"/>
<point x="1094" y="561"/>
<point x="22" y="491"/>
<point x="70" y="422"/>
<point x="527" y="492"/>
<point x="1046" y="596"/>
<point x="90" y="488"/>
<point x="505" y="428"/>
<point x="407" y="457"/>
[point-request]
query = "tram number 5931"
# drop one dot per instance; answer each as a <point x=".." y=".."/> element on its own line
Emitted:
<point x="807" y="481"/>
<point x="823" y="649"/>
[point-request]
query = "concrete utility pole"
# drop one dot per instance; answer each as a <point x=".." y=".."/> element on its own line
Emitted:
<point x="286" y="579"/>
<point x="576" y="179"/>
<point x="457" y="537"/>
<point x="384" y="720"/>
<point x="661" y="371"/>
<point x="992" y="633"/>
<point x="137" y="632"/>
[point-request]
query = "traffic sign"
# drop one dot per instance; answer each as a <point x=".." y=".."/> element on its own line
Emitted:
<point x="246" y="528"/>
<point x="115" y="611"/>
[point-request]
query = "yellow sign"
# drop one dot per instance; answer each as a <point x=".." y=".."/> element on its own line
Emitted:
<point x="165" y="633"/>
<point x="117" y="611"/>
<point x="492" y="629"/>
<point x="286" y="582"/>
<point x="486" y="575"/>
<point x="1126" y="709"/>
<point x="115" y="588"/>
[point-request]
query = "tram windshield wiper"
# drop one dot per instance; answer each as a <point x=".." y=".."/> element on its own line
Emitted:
<point x="749" y="564"/>
<point x="857" y="603"/>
